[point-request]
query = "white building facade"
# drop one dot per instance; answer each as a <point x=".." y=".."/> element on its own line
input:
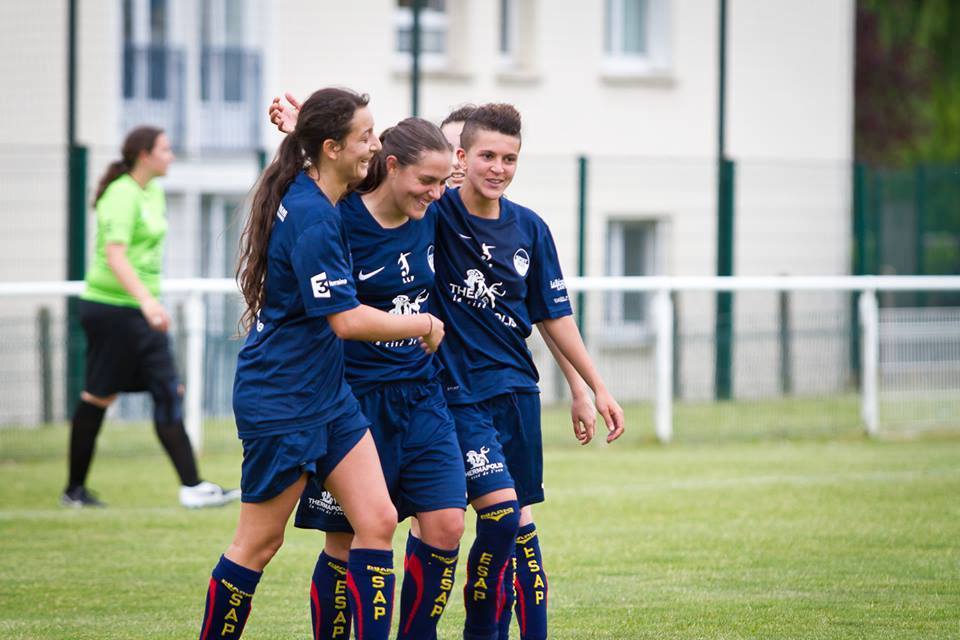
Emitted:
<point x="632" y="85"/>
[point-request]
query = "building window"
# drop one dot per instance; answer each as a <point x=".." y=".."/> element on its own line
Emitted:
<point x="433" y="32"/>
<point x="631" y="251"/>
<point x="636" y="36"/>
<point x="223" y="54"/>
<point x="157" y="51"/>
<point x="146" y="56"/>
<point x="129" y="61"/>
<point x="508" y="45"/>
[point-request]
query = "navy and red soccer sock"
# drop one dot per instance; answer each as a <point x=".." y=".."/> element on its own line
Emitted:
<point x="229" y="598"/>
<point x="486" y="566"/>
<point x="427" y="582"/>
<point x="329" y="612"/>
<point x="370" y="585"/>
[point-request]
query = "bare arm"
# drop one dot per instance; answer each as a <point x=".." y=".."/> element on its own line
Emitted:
<point x="582" y="411"/>
<point x="563" y="331"/>
<point x="152" y="310"/>
<point x="368" y="324"/>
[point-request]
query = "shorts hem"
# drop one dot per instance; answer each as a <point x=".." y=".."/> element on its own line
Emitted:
<point x="536" y="498"/>
<point x="427" y="509"/>
<point x="488" y="490"/>
<point x="324" y="470"/>
<point x="326" y="528"/>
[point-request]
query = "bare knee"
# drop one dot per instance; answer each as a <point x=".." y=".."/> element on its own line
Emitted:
<point x="443" y="530"/>
<point x="255" y="552"/>
<point x="98" y="401"/>
<point x="375" y="529"/>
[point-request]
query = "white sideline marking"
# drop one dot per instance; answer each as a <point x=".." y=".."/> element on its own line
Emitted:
<point x="653" y="486"/>
<point x="59" y="513"/>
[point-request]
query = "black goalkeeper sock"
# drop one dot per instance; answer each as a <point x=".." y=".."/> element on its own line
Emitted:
<point x="175" y="441"/>
<point x="86" y="423"/>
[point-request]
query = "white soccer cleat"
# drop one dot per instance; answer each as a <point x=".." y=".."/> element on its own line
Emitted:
<point x="206" y="494"/>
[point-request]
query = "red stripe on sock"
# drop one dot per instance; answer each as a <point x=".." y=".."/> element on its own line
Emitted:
<point x="358" y="606"/>
<point x="521" y="608"/>
<point x="414" y="568"/>
<point x="501" y="594"/>
<point x="211" y="599"/>
<point x="318" y="614"/>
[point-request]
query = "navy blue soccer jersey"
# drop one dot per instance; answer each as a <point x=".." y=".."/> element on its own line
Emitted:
<point x="290" y="372"/>
<point x="494" y="280"/>
<point x="393" y="270"/>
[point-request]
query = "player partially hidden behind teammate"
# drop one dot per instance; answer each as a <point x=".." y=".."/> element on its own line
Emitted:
<point x="125" y="325"/>
<point x="451" y="127"/>
<point x="296" y="415"/>
<point x="391" y="234"/>
<point x="497" y="275"/>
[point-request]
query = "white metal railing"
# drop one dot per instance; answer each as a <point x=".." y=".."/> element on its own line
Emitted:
<point x="660" y="286"/>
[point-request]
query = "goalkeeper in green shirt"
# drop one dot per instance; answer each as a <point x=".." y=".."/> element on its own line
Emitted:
<point x="126" y="326"/>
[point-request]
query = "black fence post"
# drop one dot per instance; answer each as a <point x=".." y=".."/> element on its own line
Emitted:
<point x="723" y="326"/>
<point x="46" y="364"/>
<point x="786" y="360"/>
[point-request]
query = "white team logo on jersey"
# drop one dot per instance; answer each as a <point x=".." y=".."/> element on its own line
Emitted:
<point x="430" y="258"/>
<point x="477" y="291"/>
<point x="405" y="268"/>
<point x="521" y="262"/>
<point x="326" y="503"/>
<point x="487" y="256"/>
<point x="478" y="458"/>
<point x="480" y="464"/>
<point x="403" y="306"/>
<point x="282" y="213"/>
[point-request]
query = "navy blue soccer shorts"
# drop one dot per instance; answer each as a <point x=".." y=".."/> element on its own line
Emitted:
<point x="502" y="445"/>
<point x="417" y="443"/>
<point x="272" y="463"/>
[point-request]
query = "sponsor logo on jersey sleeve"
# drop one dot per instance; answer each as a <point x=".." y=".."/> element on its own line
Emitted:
<point x="282" y="213"/>
<point x="321" y="284"/>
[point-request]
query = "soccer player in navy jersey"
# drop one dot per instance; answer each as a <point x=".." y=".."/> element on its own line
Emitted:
<point x="497" y="275"/>
<point x="296" y="415"/>
<point x="391" y="231"/>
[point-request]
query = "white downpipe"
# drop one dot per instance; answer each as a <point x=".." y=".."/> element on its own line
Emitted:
<point x="870" y="323"/>
<point x="196" y="343"/>
<point x="663" y="310"/>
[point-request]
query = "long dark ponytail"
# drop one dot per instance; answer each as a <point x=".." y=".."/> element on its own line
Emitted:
<point x="326" y="115"/>
<point x="140" y="139"/>
<point x="406" y="142"/>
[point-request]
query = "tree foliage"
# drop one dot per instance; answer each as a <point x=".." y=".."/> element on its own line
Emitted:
<point x="908" y="81"/>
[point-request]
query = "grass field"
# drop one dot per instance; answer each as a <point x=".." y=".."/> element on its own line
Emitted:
<point x="834" y="538"/>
